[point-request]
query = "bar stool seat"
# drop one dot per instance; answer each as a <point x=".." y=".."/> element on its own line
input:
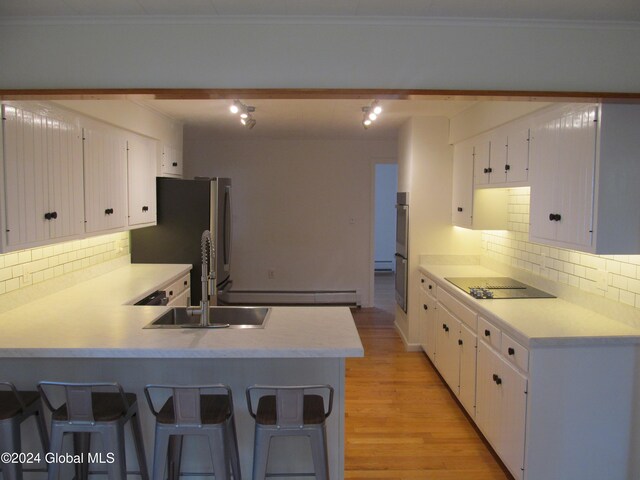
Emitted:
<point x="191" y="411"/>
<point x="90" y="409"/>
<point x="290" y="412"/>
<point x="16" y="407"/>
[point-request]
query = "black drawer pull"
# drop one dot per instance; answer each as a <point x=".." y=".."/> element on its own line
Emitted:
<point x="459" y="209"/>
<point x="487" y="333"/>
<point x="459" y="341"/>
<point x="47" y="216"/>
<point x="175" y="164"/>
<point x="511" y="351"/>
<point x="54" y="215"/>
<point x="425" y="307"/>
<point x="422" y="280"/>
<point x="145" y="209"/>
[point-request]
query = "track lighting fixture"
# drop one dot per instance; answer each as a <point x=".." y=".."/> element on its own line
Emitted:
<point x="245" y="112"/>
<point x="370" y="114"/>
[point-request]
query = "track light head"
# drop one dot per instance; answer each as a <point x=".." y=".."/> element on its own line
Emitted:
<point x="245" y="112"/>
<point x="370" y="114"/>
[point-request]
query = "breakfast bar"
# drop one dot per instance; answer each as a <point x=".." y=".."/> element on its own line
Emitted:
<point x="92" y="332"/>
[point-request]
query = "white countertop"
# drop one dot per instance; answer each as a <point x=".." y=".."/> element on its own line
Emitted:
<point x="539" y="321"/>
<point x="96" y="319"/>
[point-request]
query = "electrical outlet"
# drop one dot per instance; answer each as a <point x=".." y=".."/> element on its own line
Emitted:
<point x="601" y="280"/>
<point x="271" y="274"/>
<point x="26" y="274"/>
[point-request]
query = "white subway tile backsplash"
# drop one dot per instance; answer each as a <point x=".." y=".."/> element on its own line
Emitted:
<point x="27" y="267"/>
<point x="577" y="269"/>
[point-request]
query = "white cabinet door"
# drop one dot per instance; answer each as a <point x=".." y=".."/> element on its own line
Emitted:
<point x="447" y="348"/>
<point x="43" y="176"/>
<point x="105" y="164"/>
<point x="501" y="407"/>
<point x="171" y="161"/>
<point x="462" y="204"/>
<point x="142" y="167"/>
<point x="498" y="157"/>
<point x="468" y="347"/>
<point x="562" y="173"/>
<point x="517" y="162"/>
<point x="428" y="328"/>
<point x="481" y="161"/>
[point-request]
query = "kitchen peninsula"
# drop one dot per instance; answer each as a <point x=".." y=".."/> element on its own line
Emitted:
<point x="93" y="332"/>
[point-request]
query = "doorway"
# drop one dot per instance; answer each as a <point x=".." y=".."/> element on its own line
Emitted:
<point x="386" y="186"/>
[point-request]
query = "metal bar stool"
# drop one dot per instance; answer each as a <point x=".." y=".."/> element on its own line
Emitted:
<point x="15" y="407"/>
<point x="102" y="408"/>
<point x="195" y="410"/>
<point x="290" y="412"/>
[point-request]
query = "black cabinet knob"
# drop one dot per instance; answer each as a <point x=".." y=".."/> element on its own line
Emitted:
<point x="495" y="377"/>
<point x="425" y="307"/>
<point x="170" y="292"/>
<point x="430" y="287"/>
<point x="552" y="217"/>
<point x="487" y="333"/>
<point x="145" y="209"/>
<point x="490" y="169"/>
<point x="175" y="164"/>
<point x="422" y="280"/>
<point x="507" y="167"/>
<point x="555" y="217"/>
<point x="558" y="217"/>
<point x="54" y="215"/>
<point x="498" y="381"/>
<point x="459" y="209"/>
<point x="445" y="327"/>
<point x="511" y="351"/>
<point x="108" y="211"/>
<point x="486" y="170"/>
<point x="459" y="341"/>
<point x="47" y="216"/>
<point x="185" y="283"/>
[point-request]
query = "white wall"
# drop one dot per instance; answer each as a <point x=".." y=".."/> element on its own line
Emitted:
<point x="425" y="168"/>
<point x="302" y="208"/>
<point x="131" y="116"/>
<point x="272" y="53"/>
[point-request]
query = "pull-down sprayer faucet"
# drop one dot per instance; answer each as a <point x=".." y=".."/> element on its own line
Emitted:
<point x="208" y="279"/>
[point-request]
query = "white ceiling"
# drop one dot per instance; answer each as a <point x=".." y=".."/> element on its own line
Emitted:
<point x="572" y="10"/>
<point x="304" y="118"/>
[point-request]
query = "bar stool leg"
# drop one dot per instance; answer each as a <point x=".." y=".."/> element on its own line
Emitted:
<point x="113" y="436"/>
<point x="81" y="445"/>
<point x="57" y="434"/>
<point x="139" y="444"/>
<point x="42" y="429"/>
<point x="160" y="453"/>
<point x="219" y="454"/>
<point x="318" y="438"/>
<point x="261" y="453"/>
<point x="232" y="448"/>
<point x="10" y="442"/>
<point x="175" y="456"/>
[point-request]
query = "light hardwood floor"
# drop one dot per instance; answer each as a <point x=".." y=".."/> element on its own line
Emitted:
<point x="402" y="423"/>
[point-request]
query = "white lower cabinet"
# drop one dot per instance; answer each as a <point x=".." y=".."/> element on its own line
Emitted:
<point x="501" y="407"/>
<point x="455" y="356"/>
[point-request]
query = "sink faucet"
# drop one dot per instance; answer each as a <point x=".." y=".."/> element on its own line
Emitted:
<point x="208" y="279"/>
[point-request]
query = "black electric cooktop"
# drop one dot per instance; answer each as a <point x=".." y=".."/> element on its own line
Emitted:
<point x="496" y="287"/>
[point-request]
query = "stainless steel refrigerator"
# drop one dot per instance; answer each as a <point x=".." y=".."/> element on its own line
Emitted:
<point x="402" y="248"/>
<point x="185" y="209"/>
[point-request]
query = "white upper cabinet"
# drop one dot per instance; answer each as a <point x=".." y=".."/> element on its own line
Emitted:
<point x="105" y="163"/>
<point x="171" y="162"/>
<point x="142" y="167"/>
<point x="43" y="176"/>
<point x="584" y="177"/>
<point x="482" y="160"/>
<point x="462" y="204"/>
<point x="516" y="168"/>
<point x="501" y="156"/>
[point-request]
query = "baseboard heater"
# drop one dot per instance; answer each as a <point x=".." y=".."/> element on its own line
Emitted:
<point x="269" y="297"/>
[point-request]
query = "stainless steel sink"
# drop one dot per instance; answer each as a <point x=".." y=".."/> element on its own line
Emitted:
<point x="219" y="317"/>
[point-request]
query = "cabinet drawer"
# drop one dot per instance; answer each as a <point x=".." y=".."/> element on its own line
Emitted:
<point x="489" y="333"/>
<point x="428" y="285"/>
<point x="177" y="287"/>
<point x="515" y="353"/>
<point x="464" y="313"/>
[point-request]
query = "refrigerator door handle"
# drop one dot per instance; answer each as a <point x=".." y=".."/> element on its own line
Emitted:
<point x="227" y="227"/>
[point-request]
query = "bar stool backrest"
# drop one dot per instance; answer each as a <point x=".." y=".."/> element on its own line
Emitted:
<point x="289" y="407"/>
<point x="79" y="398"/>
<point x="14" y="390"/>
<point x="186" y="406"/>
<point x="186" y="401"/>
<point x="290" y="402"/>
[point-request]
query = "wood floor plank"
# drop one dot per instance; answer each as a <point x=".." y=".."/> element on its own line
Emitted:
<point x="402" y="422"/>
